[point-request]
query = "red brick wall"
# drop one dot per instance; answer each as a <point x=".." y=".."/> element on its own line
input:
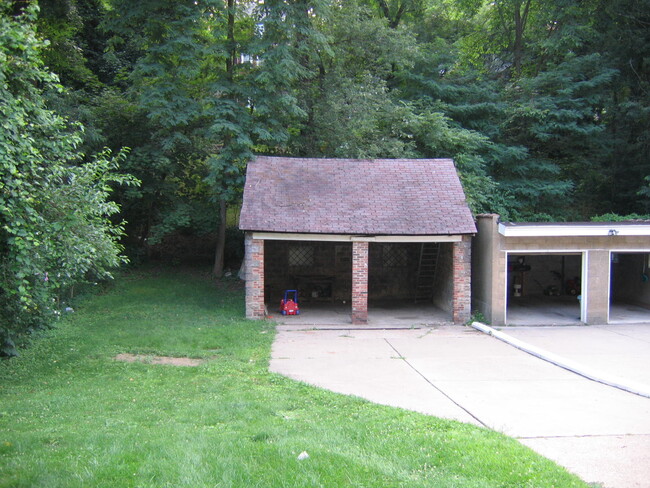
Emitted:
<point x="359" y="283"/>
<point x="254" y="277"/>
<point x="462" y="297"/>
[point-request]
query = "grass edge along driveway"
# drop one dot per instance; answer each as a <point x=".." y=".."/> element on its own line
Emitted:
<point x="71" y="415"/>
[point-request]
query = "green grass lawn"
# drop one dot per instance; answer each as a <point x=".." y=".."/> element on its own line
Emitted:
<point x="72" y="416"/>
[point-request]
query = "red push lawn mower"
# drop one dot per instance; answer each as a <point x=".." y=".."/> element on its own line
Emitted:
<point x="289" y="305"/>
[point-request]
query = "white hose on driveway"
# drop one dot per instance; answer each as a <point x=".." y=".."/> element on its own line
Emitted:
<point x="609" y="380"/>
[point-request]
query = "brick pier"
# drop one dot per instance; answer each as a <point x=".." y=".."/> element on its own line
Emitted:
<point x="462" y="276"/>
<point x="360" y="283"/>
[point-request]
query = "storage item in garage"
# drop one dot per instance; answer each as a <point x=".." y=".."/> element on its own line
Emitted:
<point x="289" y="304"/>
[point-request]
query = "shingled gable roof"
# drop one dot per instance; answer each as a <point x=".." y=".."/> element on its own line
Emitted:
<point x="355" y="197"/>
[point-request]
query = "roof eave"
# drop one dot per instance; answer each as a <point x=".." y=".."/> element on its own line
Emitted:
<point x="304" y="236"/>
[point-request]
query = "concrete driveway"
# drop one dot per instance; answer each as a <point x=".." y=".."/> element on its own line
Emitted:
<point x="596" y="431"/>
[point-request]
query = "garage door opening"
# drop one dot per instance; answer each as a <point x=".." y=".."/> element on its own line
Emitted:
<point x="544" y="289"/>
<point x="320" y="271"/>
<point x="630" y="288"/>
<point x="409" y="284"/>
<point x="410" y="280"/>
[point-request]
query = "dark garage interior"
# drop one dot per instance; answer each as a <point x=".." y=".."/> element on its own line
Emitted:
<point x="320" y="271"/>
<point x="401" y="275"/>
<point x="630" y="287"/>
<point x="544" y="289"/>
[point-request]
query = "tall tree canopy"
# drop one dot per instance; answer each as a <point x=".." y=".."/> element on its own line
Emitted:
<point x="543" y="104"/>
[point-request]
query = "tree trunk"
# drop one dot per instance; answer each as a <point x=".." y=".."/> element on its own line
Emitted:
<point x="217" y="270"/>
<point x="393" y="22"/>
<point x="520" y="19"/>
<point x="232" y="46"/>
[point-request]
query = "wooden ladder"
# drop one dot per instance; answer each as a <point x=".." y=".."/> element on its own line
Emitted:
<point x="429" y="253"/>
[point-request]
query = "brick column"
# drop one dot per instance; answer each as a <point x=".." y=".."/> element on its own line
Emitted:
<point x="359" y="283"/>
<point x="254" y="249"/>
<point x="462" y="264"/>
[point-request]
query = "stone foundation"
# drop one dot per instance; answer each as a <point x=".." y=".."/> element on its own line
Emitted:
<point x="254" y="277"/>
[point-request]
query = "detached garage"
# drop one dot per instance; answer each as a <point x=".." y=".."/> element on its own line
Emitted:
<point x="561" y="273"/>
<point x="351" y="233"/>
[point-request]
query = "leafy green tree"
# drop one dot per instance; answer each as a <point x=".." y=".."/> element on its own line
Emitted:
<point x="214" y="83"/>
<point x="557" y="116"/>
<point x="623" y="42"/>
<point x="75" y="44"/>
<point x="368" y="99"/>
<point x="75" y="52"/>
<point x="526" y="78"/>
<point x="542" y="104"/>
<point x="394" y="11"/>
<point x="351" y="111"/>
<point x="55" y="227"/>
<point x="166" y="111"/>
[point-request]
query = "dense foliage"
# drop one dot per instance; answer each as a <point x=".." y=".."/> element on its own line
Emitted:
<point x="54" y="226"/>
<point x="543" y="104"/>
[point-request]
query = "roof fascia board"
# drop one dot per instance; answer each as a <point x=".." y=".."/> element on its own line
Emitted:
<point x="532" y="230"/>
<point x="281" y="236"/>
<point x="581" y="250"/>
<point x="548" y="251"/>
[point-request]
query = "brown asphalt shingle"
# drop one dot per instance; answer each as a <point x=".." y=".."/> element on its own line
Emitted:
<point x="349" y="196"/>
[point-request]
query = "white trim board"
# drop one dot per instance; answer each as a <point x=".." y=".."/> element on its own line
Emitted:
<point x="574" y="252"/>
<point x="611" y="229"/>
<point x="615" y="250"/>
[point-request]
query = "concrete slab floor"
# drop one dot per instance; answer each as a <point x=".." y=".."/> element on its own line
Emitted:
<point x="600" y="433"/>
<point x="538" y="310"/>
<point x="624" y="313"/>
<point x="381" y="314"/>
<point x="565" y="310"/>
